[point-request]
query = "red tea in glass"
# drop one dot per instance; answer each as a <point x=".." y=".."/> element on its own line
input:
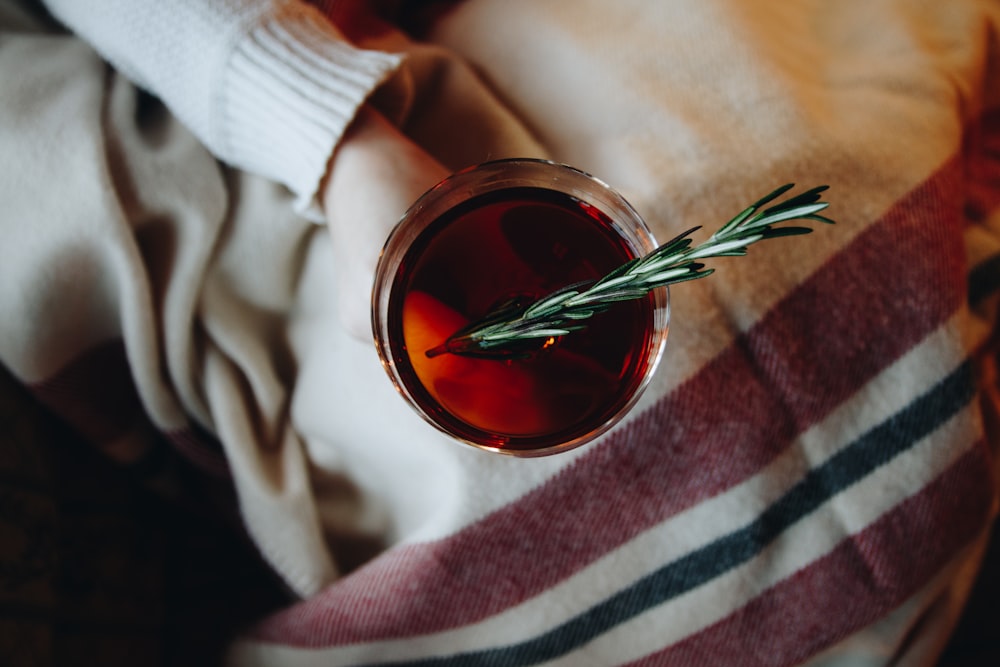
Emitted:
<point x="515" y="230"/>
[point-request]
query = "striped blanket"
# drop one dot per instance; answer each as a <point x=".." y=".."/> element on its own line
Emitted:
<point x="809" y="478"/>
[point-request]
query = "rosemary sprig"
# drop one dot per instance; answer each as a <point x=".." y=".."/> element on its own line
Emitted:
<point x="514" y="328"/>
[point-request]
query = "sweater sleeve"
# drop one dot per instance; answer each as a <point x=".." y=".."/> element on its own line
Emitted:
<point x="268" y="86"/>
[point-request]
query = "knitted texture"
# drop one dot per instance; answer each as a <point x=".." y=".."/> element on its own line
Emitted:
<point x="269" y="87"/>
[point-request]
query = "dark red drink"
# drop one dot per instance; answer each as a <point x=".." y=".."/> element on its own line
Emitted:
<point x="521" y="243"/>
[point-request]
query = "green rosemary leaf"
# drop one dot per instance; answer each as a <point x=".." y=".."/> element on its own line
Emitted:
<point x="692" y="276"/>
<point x="605" y="284"/>
<point x="549" y="304"/>
<point x="680" y="242"/>
<point x="738" y="252"/>
<point x="808" y="197"/>
<point x="592" y="300"/>
<point x="767" y="199"/>
<point x="531" y="333"/>
<point x="789" y="214"/>
<point x="582" y="314"/>
<point x="723" y="247"/>
<point x="735" y="222"/>
<point x="778" y="232"/>
<point x="819" y="218"/>
<point x="663" y="276"/>
<point x="656" y="265"/>
<point x="624" y="295"/>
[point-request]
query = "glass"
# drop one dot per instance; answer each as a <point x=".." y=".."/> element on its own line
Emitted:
<point x="515" y="229"/>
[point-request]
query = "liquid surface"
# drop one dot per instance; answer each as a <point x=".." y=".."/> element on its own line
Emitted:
<point x="525" y="243"/>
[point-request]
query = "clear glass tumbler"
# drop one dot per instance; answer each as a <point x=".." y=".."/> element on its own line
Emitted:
<point x="512" y="231"/>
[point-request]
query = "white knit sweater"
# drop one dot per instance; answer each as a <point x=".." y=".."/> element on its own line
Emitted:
<point x="268" y="85"/>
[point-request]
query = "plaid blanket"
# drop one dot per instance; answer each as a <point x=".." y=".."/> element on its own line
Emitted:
<point x="809" y="478"/>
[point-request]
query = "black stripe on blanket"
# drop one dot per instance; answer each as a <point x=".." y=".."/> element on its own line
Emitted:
<point x="862" y="457"/>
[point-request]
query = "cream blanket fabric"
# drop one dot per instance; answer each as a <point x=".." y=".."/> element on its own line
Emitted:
<point x="809" y="478"/>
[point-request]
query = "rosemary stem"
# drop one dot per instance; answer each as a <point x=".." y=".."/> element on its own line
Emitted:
<point x="505" y="332"/>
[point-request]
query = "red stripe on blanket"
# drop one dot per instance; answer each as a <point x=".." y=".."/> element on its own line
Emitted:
<point x="860" y="581"/>
<point x="819" y="346"/>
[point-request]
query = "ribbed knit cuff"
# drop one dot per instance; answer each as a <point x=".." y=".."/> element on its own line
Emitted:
<point x="294" y="85"/>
